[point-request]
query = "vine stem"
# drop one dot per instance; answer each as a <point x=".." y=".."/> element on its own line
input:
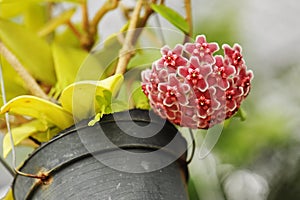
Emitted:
<point x="125" y="54"/>
<point x="16" y="171"/>
<point x="193" y="147"/>
<point x="7" y="167"/>
<point x="31" y="84"/>
<point x="188" y="10"/>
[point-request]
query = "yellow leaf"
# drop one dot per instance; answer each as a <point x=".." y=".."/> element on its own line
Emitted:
<point x="112" y="83"/>
<point x="109" y="54"/>
<point x="22" y="132"/>
<point x="33" y="52"/>
<point x="14" y="85"/>
<point x="40" y="109"/>
<point x="10" y="8"/>
<point x="73" y="1"/>
<point x="35" y="16"/>
<point x="67" y="61"/>
<point x="55" y="22"/>
<point x="47" y="135"/>
<point x="80" y="98"/>
<point x="66" y="37"/>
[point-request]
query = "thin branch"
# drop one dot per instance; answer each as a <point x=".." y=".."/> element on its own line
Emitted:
<point x="125" y="54"/>
<point x="74" y="29"/>
<point x="31" y="84"/>
<point x="108" y="6"/>
<point x="126" y="11"/>
<point x="148" y="11"/>
<point x="143" y="21"/>
<point x="85" y="17"/>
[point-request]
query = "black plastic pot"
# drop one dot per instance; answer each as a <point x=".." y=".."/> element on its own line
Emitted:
<point x="124" y="156"/>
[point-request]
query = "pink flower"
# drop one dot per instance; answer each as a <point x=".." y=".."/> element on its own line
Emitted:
<point x="234" y="55"/>
<point x="197" y="91"/>
<point x="171" y="59"/>
<point x="195" y="74"/>
<point x="201" y="49"/>
<point x="151" y="79"/>
<point x="223" y="71"/>
<point x="244" y="79"/>
<point x="206" y="104"/>
<point x="232" y="98"/>
<point x="173" y="91"/>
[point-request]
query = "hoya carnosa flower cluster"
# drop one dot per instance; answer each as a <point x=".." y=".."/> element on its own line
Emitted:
<point x="191" y="87"/>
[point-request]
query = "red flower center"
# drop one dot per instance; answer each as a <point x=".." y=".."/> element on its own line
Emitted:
<point x="170" y="59"/>
<point x="237" y="58"/>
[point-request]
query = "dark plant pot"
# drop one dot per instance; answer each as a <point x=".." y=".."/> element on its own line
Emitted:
<point x="107" y="161"/>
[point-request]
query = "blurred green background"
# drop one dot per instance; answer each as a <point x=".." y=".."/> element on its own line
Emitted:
<point x="258" y="158"/>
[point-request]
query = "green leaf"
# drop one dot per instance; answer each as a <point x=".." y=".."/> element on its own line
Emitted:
<point x="95" y="120"/>
<point x="45" y="111"/>
<point x="55" y="22"/>
<point x="104" y="102"/>
<point x="33" y="52"/>
<point x="22" y="132"/>
<point x="118" y="106"/>
<point x="140" y="99"/>
<point x="144" y="58"/>
<point x="241" y="113"/>
<point x="172" y="16"/>
<point x="67" y="61"/>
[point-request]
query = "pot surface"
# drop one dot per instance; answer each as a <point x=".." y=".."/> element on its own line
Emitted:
<point x="128" y="155"/>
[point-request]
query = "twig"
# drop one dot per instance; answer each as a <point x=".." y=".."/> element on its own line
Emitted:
<point x="85" y="17"/>
<point x="74" y="29"/>
<point x="143" y="20"/>
<point x="126" y="11"/>
<point x="148" y="11"/>
<point x="125" y="55"/>
<point x="108" y="6"/>
<point x="31" y="84"/>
